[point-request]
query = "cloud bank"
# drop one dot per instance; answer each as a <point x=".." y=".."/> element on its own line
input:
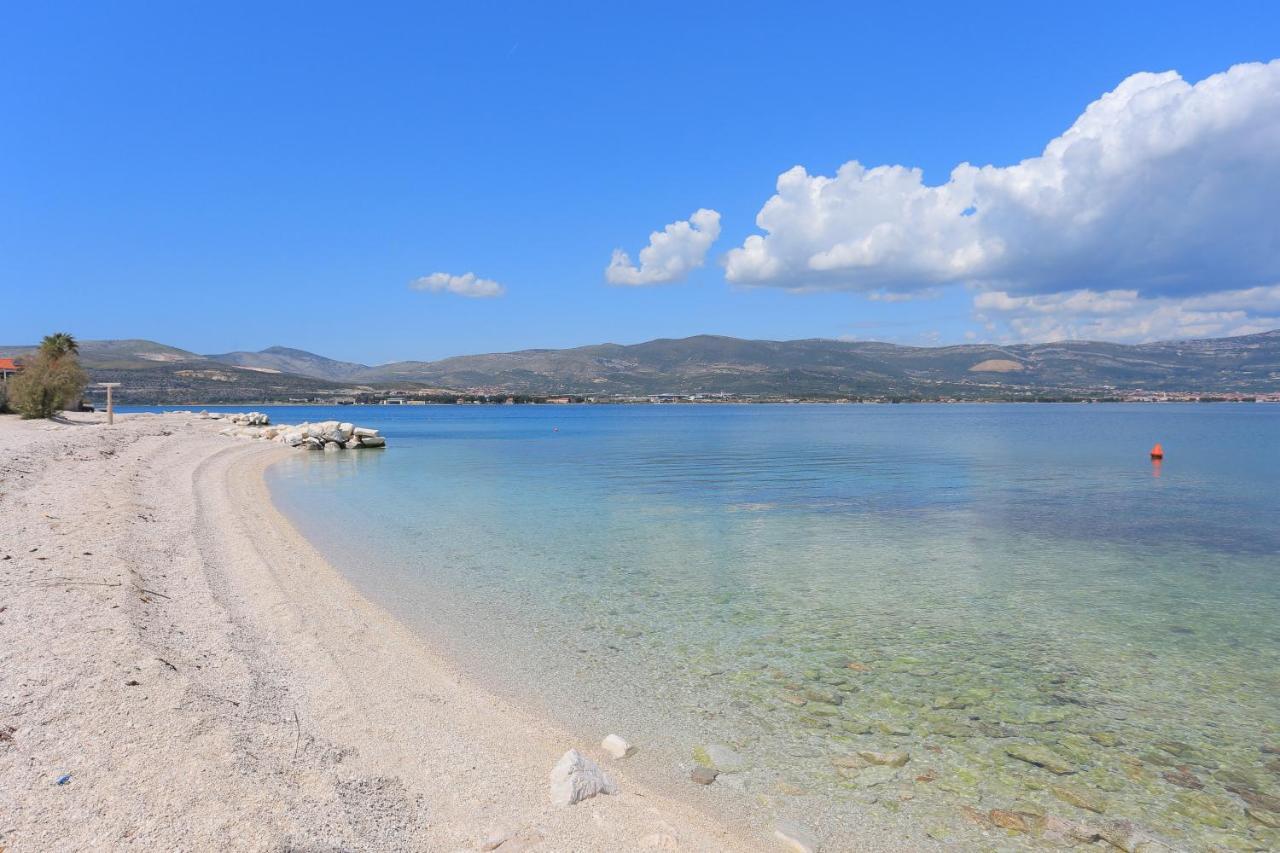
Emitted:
<point x="1125" y="315"/>
<point x="467" y="284"/>
<point x="1161" y="190"/>
<point x="672" y="253"/>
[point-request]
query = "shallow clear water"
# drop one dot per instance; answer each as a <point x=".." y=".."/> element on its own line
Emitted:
<point x="1001" y="577"/>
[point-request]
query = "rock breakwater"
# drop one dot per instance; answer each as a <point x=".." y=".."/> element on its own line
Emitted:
<point x="326" y="436"/>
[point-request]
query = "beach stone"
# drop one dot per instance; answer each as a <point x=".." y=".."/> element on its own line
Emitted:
<point x="793" y="698"/>
<point x="1041" y="757"/>
<point x="1079" y="797"/>
<point x="332" y="446"/>
<point x="576" y="778"/>
<point x="890" y="759"/>
<point x="1105" y="738"/>
<point x="704" y="775"/>
<point x="795" y="837"/>
<point x="373" y="441"/>
<point x="857" y="666"/>
<point x="617" y="747"/>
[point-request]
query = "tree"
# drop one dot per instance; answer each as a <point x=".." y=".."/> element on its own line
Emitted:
<point x="59" y="344"/>
<point x="51" y="381"/>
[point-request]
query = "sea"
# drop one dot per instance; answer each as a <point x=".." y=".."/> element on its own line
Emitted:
<point x="986" y="626"/>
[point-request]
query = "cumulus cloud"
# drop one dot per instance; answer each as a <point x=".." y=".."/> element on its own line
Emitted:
<point x="467" y="284"/>
<point x="672" y="253"/>
<point x="1160" y="188"/>
<point x="1126" y="315"/>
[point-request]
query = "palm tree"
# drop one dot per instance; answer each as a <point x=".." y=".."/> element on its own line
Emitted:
<point x="59" y="344"/>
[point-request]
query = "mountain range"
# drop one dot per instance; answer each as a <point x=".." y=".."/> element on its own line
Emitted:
<point x="704" y="364"/>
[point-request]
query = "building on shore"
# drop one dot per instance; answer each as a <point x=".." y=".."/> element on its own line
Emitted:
<point x="9" y="367"/>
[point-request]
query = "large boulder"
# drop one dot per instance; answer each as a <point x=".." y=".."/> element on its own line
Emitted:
<point x="576" y="778"/>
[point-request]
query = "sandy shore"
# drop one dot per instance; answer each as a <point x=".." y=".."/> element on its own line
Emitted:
<point x="207" y="681"/>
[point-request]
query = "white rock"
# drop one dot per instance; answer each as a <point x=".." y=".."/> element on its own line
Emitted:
<point x="373" y="441"/>
<point x="617" y="747"/>
<point x="330" y="446"/>
<point x="795" y="837"/>
<point x="576" y="778"/>
<point x="364" y="432"/>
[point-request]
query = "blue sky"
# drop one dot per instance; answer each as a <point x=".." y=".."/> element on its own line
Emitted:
<point x="221" y="176"/>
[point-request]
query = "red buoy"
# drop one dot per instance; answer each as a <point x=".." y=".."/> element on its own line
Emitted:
<point x="1157" y="452"/>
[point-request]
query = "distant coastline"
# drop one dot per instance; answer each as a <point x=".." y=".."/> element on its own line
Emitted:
<point x="703" y="369"/>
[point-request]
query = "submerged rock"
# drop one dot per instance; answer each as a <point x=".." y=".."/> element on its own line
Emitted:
<point x="1079" y="797"/>
<point x="1007" y="820"/>
<point x="1183" y="779"/>
<point x="1041" y="757"/>
<point x="724" y="759"/>
<point x="1130" y="838"/>
<point x="576" y="778"/>
<point x="827" y="697"/>
<point x="889" y="759"/>
<point x="703" y="775"/>
<point x="1257" y="799"/>
<point x="1268" y="819"/>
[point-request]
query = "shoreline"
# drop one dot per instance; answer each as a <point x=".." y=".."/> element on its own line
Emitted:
<point x="205" y="677"/>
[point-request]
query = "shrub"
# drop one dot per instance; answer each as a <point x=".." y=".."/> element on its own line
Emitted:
<point x="49" y="382"/>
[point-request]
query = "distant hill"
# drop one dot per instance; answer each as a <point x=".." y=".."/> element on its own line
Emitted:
<point x="705" y="364"/>
<point x="709" y="364"/>
<point x="300" y="362"/>
<point x="155" y="373"/>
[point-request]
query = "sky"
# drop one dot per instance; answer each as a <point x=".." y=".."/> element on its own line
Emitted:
<point x="411" y="181"/>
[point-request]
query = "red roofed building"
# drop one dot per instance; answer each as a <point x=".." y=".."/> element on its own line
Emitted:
<point x="8" y="367"/>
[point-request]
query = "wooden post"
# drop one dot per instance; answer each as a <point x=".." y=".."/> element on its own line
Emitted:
<point x="111" y="411"/>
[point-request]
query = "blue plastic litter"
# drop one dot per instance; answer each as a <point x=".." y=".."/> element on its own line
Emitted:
<point x="64" y="779"/>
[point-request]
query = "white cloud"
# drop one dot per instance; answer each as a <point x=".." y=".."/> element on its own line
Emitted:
<point x="672" y="253"/>
<point x="1160" y="187"/>
<point x="1125" y="315"/>
<point x="467" y="284"/>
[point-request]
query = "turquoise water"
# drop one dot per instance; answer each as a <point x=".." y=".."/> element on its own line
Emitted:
<point x="1004" y="578"/>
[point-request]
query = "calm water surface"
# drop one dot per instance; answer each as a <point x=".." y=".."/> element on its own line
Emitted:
<point x="1009" y="582"/>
